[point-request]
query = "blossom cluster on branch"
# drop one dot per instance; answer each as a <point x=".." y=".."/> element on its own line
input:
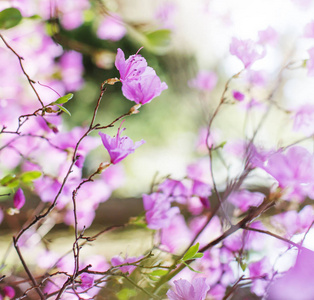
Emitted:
<point x="238" y="223"/>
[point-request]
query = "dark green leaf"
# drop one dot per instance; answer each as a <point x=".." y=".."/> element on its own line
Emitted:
<point x="9" y="18"/>
<point x="30" y="176"/>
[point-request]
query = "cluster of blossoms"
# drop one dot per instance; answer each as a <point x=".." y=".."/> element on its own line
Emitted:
<point x="211" y="236"/>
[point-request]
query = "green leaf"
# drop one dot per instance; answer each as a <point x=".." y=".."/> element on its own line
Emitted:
<point x="159" y="38"/>
<point x="30" y="176"/>
<point x="9" y="18"/>
<point x="6" y="179"/>
<point x="63" y="99"/>
<point x="64" y="109"/>
<point x="159" y="272"/>
<point x="198" y="255"/>
<point x="191" y="252"/>
<point x="126" y="294"/>
<point x="191" y="268"/>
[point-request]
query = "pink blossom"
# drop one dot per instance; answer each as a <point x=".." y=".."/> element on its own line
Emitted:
<point x="262" y="269"/>
<point x="197" y="290"/>
<point x="159" y="212"/>
<point x="165" y="15"/>
<point x="268" y="36"/>
<point x="9" y="292"/>
<point x="293" y="170"/>
<point x="297" y="282"/>
<point x="175" y="190"/>
<point x="111" y="28"/>
<point x="309" y="30"/>
<point x="310" y="62"/>
<point x="139" y="82"/>
<point x="87" y="281"/>
<point x="119" y="147"/>
<point x="247" y="51"/>
<point x="72" y="69"/>
<point x="118" y="260"/>
<point x="244" y="199"/>
<point x="304" y="119"/>
<point x="238" y="95"/>
<point x="205" y="81"/>
<point x="177" y="235"/>
<point x="19" y="199"/>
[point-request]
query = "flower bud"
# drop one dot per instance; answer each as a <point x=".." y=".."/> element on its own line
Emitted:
<point x="19" y="199"/>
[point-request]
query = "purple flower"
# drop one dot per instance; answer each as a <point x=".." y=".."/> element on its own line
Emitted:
<point x="87" y="281"/>
<point x="309" y="30"/>
<point x="118" y="260"/>
<point x="19" y="199"/>
<point x="204" y="81"/>
<point x="238" y="96"/>
<point x="293" y="170"/>
<point x="139" y="82"/>
<point x="268" y="36"/>
<point x="247" y="51"/>
<point x="244" y="199"/>
<point x="119" y="147"/>
<point x="197" y="290"/>
<point x="111" y="28"/>
<point x="159" y="212"/>
<point x="9" y="292"/>
<point x="297" y="281"/>
<point x="310" y="62"/>
<point x="304" y="119"/>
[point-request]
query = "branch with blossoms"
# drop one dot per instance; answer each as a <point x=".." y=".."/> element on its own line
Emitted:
<point x="209" y="230"/>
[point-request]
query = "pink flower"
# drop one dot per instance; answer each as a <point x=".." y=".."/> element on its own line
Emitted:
<point x="159" y="212"/>
<point x="87" y="281"/>
<point x="9" y="292"/>
<point x="197" y="290"/>
<point x="304" y="119"/>
<point x="309" y="30"/>
<point x="247" y="51"/>
<point x="238" y="96"/>
<point x="204" y="81"/>
<point x="139" y="82"/>
<point x="310" y="62"/>
<point x="293" y="170"/>
<point x="297" y="282"/>
<point x="19" y="199"/>
<point x="118" y="260"/>
<point x="244" y="199"/>
<point x="119" y="147"/>
<point x="268" y="36"/>
<point x="111" y="28"/>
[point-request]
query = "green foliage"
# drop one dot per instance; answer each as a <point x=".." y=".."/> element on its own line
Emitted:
<point x="9" y="181"/>
<point x="63" y="99"/>
<point x="64" y="109"/>
<point x="126" y="294"/>
<point x="30" y="176"/>
<point x="191" y="254"/>
<point x="158" y="41"/>
<point x="12" y="181"/>
<point x="9" y="18"/>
